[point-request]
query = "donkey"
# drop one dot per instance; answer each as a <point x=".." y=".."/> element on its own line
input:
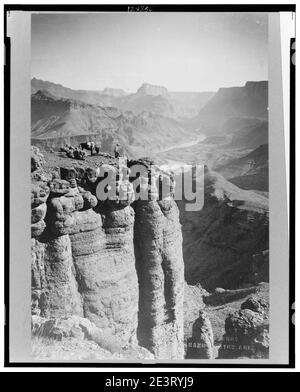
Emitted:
<point x="87" y="146"/>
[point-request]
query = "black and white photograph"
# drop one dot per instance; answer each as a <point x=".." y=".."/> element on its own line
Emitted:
<point x="150" y="146"/>
<point x="138" y="278"/>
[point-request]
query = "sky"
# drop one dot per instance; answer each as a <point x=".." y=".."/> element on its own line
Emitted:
<point x="181" y="51"/>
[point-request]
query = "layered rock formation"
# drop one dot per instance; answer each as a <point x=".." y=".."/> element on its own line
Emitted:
<point x="88" y="266"/>
<point x="149" y="89"/>
<point x="220" y="241"/>
<point x="158" y="251"/>
<point x="56" y="121"/>
<point x="99" y="260"/>
<point x="148" y="97"/>
<point x="250" y="100"/>
<point x="104" y="263"/>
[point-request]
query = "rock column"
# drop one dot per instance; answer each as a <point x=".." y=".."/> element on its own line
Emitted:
<point x="159" y="264"/>
<point x="201" y="344"/>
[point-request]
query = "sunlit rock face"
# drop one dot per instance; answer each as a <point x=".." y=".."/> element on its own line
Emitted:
<point x="117" y="263"/>
<point x="88" y="262"/>
<point x="105" y="269"/>
<point x="61" y="295"/>
<point x="159" y="264"/>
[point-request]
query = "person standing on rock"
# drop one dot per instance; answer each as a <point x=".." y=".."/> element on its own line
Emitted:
<point x="92" y="144"/>
<point x="117" y="151"/>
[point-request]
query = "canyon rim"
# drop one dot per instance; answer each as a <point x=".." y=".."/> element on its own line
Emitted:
<point x="129" y="105"/>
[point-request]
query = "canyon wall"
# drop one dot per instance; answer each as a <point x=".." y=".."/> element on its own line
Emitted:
<point x="225" y="244"/>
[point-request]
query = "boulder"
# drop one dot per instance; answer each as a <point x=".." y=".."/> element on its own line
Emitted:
<point x="63" y="327"/>
<point x="39" y="196"/>
<point x="37" y="228"/>
<point x="39" y="193"/>
<point x="59" y="187"/>
<point x="247" y="331"/>
<point x="37" y="159"/>
<point x="38" y="213"/>
<point x="259" y="305"/>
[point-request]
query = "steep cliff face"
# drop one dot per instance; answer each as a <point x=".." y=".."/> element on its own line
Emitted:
<point x="88" y="266"/>
<point x="159" y="263"/>
<point x="149" y="89"/>
<point x="250" y="171"/>
<point x="251" y="100"/>
<point x="220" y="241"/>
<point x="105" y="271"/>
<point x="121" y="269"/>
